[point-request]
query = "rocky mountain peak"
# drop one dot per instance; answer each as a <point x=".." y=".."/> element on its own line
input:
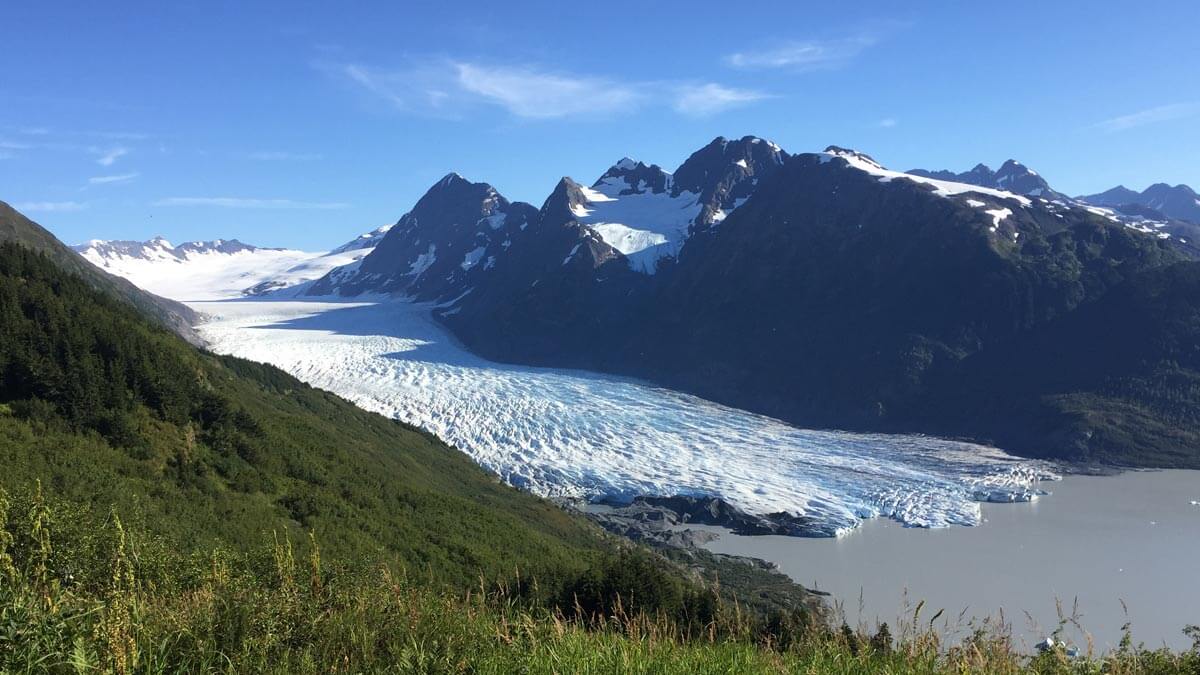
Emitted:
<point x="630" y="177"/>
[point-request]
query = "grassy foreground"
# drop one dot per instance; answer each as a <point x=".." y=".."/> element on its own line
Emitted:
<point x="101" y="598"/>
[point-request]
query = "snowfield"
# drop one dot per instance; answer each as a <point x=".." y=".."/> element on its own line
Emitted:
<point x="575" y="434"/>
<point x="201" y="270"/>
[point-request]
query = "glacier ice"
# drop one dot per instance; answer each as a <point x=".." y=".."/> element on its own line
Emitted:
<point x="563" y="433"/>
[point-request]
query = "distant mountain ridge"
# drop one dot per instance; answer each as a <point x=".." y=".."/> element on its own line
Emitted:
<point x="1179" y="202"/>
<point x="1160" y="209"/>
<point x="1012" y="176"/>
<point x="159" y="246"/>
<point x="221" y="268"/>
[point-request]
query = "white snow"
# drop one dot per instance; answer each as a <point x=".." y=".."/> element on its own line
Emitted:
<point x="423" y="261"/>
<point x="998" y="215"/>
<point x="495" y="221"/>
<point x="209" y="275"/>
<point x="473" y="257"/>
<point x="572" y="433"/>
<point x="645" y="226"/>
<point x="942" y="188"/>
<point x="213" y="275"/>
<point x="572" y="253"/>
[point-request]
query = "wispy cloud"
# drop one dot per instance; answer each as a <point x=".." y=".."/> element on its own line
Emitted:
<point x="450" y="88"/>
<point x="528" y="92"/>
<point x="109" y="156"/>
<point x="248" y="203"/>
<point x="269" y="156"/>
<point x="14" y="145"/>
<point x="50" y="207"/>
<point x="711" y="98"/>
<point x="376" y="83"/>
<point x="805" y="55"/>
<point x="107" y="180"/>
<point x="1162" y="113"/>
<point x="887" y="123"/>
<point x="121" y="135"/>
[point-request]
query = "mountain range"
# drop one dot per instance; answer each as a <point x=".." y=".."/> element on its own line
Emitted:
<point x="1179" y="202"/>
<point x="208" y="270"/>
<point x="829" y="291"/>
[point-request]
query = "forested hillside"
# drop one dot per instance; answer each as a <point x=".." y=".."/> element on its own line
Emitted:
<point x="108" y="410"/>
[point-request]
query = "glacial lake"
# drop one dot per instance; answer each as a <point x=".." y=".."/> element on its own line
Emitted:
<point x="1096" y="543"/>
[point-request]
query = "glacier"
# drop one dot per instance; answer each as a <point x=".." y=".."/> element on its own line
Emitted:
<point x="580" y="435"/>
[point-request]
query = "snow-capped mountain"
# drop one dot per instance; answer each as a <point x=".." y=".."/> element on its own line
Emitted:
<point x="1012" y="176"/>
<point x="648" y="214"/>
<point x="1179" y="202"/>
<point x="455" y="231"/>
<point x="1172" y="213"/>
<point x="635" y="215"/>
<point x="218" y="269"/>
<point x="837" y="292"/>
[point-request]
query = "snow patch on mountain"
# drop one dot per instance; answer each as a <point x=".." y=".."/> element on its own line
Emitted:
<point x="942" y="188"/>
<point x="998" y="215"/>
<point x="644" y="224"/>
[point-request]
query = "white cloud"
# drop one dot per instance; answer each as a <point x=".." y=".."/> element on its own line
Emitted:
<point x="887" y="123"/>
<point x="48" y="207"/>
<point x="376" y="83"/>
<point x="107" y="157"/>
<point x="1162" y="113"/>
<point x="804" y="55"/>
<point x="120" y="178"/>
<point x="247" y="203"/>
<point x="710" y="98"/>
<point x="270" y="156"/>
<point x="14" y="145"/>
<point x="527" y="92"/>
<point x="447" y="88"/>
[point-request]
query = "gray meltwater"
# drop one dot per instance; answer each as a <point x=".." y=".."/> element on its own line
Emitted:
<point x="1132" y="538"/>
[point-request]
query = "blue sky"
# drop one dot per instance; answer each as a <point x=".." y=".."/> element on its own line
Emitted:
<point x="302" y="124"/>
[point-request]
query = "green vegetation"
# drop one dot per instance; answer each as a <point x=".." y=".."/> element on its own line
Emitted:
<point x="175" y="316"/>
<point x="108" y="410"/>
<point x="92" y="596"/>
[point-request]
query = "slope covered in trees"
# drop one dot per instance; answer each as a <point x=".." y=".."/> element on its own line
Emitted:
<point x="109" y="410"/>
<point x="175" y="316"/>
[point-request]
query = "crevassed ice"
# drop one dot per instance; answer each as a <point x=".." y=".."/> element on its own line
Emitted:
<point x="572" y="433"/>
